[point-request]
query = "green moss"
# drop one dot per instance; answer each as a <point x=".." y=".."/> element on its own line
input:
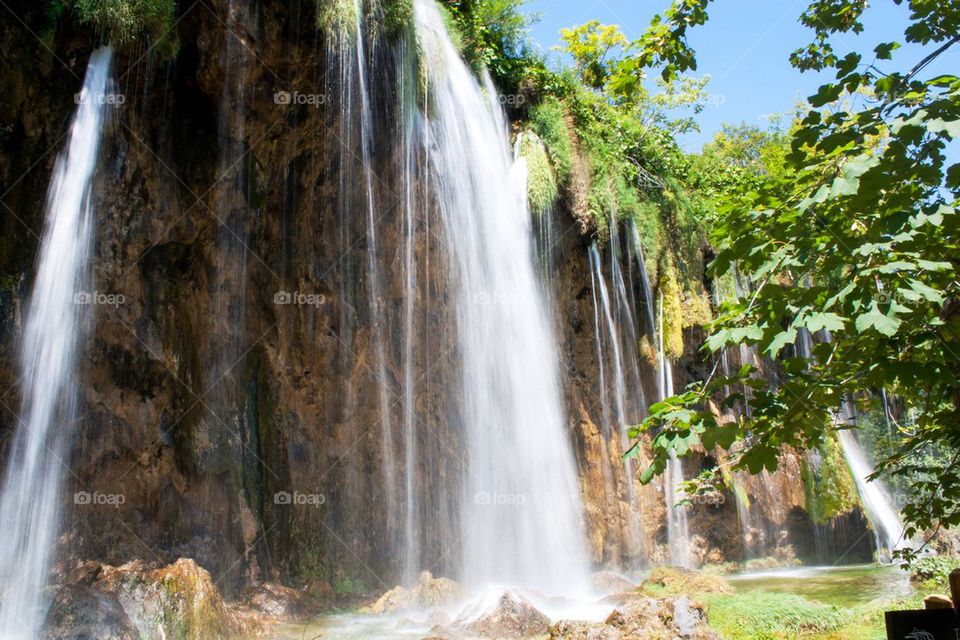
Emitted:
<point x="672" y="314"/>
<point x="541" y="184"/>
<point x="397" y="15"/>
<point x="124" y="22"/>
<point x="549" y="120"/>
<point x="829" y="487"/>
<point x="337" y="18"/>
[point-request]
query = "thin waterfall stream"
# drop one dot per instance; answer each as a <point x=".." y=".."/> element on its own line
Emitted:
<point x="54" y="329"/>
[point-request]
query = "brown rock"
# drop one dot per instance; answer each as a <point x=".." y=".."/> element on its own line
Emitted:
<point x="80" y="612"/>
<point x="513" y="617"/>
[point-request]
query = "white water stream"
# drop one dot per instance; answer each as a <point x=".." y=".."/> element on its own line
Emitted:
<point x="53" y="331"/>
<point x="521" y="516"/>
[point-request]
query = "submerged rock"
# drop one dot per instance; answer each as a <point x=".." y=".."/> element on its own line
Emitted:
<point x="512" y="617"/>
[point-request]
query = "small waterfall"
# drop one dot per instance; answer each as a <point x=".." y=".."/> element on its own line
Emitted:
<point x="617" y="417"/>
<point x="888" y="530"/>
<point x="678" y="531"/>
<point x="53" y="331"/>
<point x="364" y="316"/>
<point x="522" y="518"/>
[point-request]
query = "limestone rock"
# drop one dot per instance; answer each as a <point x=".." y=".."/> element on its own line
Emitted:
<point x="277" y="601"/>
<point x="80" y="612"/>
<point x="513" y="617"/>
<point x="429" y="592"/>
<point x="176" y="601"/>
<point x="576" y="630"/>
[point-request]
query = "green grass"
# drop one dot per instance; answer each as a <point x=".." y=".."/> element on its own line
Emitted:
<point x="124" y="22"/>
<point x="771" y="616"/>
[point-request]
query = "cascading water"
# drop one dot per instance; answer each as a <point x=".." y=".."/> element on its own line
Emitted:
<point x="678" y="531"/>
<point x="521" y="522"/>
<point x="615" y="417"/>
<point x="53" y="331"/>
<point x="887" y="528"/>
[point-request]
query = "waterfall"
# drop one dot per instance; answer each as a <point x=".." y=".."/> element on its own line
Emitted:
<point x="888" y="530"/>
<point x="618" y="418"/>
<point x="678" y="531"/>
<point x="522" y="517"/>
<point x="53" y="331"/>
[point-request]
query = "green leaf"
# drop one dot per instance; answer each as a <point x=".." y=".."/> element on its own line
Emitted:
<point x="820" y="320"/>
<point x="877" y="320"/>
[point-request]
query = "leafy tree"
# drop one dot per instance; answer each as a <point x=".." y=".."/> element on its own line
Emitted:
<point x="856" y="244"/>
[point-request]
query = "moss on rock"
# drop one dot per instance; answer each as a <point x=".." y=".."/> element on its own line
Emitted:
<point x="541" y="184"/>
<point x="829" y="487"/>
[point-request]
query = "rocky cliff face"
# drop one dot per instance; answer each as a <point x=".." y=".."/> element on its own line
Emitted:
<point x="233" y="394"/>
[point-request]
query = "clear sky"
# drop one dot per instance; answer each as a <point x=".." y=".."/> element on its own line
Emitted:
<point x="744" y="47"/>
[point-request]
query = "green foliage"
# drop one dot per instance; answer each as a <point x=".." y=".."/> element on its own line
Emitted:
<point x="541" y="183"/>
<point x="830" y="489"/>
<point x="933" y="572"/>
<point x="548" y="119"/>
<point x="337" y="18"/>
<point x="771" y="616"/>
<point x="858" y="235"/>
<point x="122" y="22"/>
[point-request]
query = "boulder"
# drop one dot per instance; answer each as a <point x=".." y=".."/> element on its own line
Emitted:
<point x="277" y="601"/>
<point x="512" y="617"/>
<point x="428" y="593"/>
<point x="661" y="619"/>
<point x="175" y="601"/>
<point x="80" y="612"/>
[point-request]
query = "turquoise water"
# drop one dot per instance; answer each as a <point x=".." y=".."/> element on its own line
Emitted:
<point x="843" y="586"/>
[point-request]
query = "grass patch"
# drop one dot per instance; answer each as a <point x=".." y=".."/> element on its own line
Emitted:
<point x="771" y="616"/>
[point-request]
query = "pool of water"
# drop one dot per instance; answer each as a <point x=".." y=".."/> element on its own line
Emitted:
<point x="838" y="585"/>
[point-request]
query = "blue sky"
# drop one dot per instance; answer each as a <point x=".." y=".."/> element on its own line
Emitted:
<point x="744" y="47"/>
